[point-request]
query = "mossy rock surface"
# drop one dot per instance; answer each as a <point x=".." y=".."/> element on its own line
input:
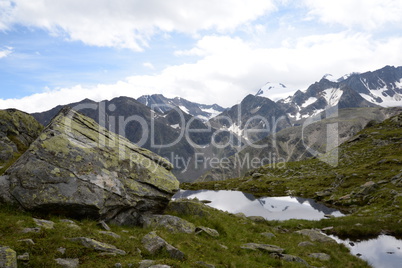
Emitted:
<point x="80" y="169"/>
<point x="17" y="131"/>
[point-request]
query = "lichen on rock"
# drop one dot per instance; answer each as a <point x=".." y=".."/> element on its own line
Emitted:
<point x="79" y="169"/>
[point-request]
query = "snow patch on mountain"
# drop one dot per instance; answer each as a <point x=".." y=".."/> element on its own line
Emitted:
<point x="332" y="96"/>
<point x="184" y="109"/>
<point x="213" y="112"/>
<point x="275" y="91"/>
<point x="175" y="126"/>
<point x="308" y="102"/>
<point x="381" y="98"/>
<point x="236" y="130"/>
<point x="330" y="77"/>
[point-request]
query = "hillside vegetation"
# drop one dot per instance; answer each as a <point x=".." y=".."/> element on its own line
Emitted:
<point x="366" y="182"/>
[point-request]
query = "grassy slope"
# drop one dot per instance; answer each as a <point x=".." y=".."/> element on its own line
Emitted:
<point x="375" y="154"/>
<point x="234" y="232"/>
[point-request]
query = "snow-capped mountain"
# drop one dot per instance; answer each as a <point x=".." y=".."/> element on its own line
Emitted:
<point x="274" y="91"/>
<point x="162" y="104"/>
<point x="253" y="119"/>
<point x="379" y="88"/>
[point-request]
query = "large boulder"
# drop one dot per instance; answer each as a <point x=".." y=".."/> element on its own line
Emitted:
<point x="17" y="131"/>
<point x="79" y="169"/>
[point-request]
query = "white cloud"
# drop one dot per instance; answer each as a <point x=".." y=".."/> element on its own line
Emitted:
<point x="366" y="14"/>
<point x="127" y="23"/>
<point x="148" y="65"/>
<point x="229" y="68"/>
<point x="5" y="52"/>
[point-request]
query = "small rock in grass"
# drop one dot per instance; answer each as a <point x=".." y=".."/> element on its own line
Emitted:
<point x="209" y="231"/>
<point x="68" y="263"/>
<point x="44" y="223"/>
<point x="23" y="257"/>
<point x="27" y="241"/>
<point x="305" y="244"/>
<point x="104" y="225"/>
<point x="320" y="256"/>
<point x="31" y="230"/>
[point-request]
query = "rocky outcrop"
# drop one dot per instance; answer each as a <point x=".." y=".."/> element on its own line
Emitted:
<point x="67" y="263"/>
<point x="263" y="247"/>
<point x="79" y="169"/>
<point x="17" y="131"/>
<point x="188" y="207"/>
<point x="316" y="236"/>
<point x="154" y="244"/>
<point x="98" y="246"/>
<point x="8" y="258"/>
<point x="171" y="223"/>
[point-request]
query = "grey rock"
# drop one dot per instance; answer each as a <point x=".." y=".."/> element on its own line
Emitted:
<point x="171" y="223"/>
<point x="257" y="218"/>
<point x="71" y="224"/>
<point x="160" y="266"/>
<point x="204" y="264"/>
<point x="268" y="235"/>
<point x="240" y="215"/>
<point x="31" y="230"/>
<point x="17" y="131"/>
<point x="146" y="263"/>
<point x="79" y="169"/>
<point x="174" y="252"/>
<point x="23" y="257"/>
<point x="104" y="225"/>
<point x="68" y="263"/>
<point x="316" y="236"/>
<point x="44" y="223"/>
<point x="263" y="247"/>
<point x="153" y="244"/>
<point x="368" y="188"/>
<point x="188" y="207"/>
<point x="110" y="254"/>
<point x="223" y="246"/>
<point x="206" y="230"/>
<point x="27" y="241"/>
<point x="118" y="265"/>
<point x="67" y="221"/>
<point x="290" y="258"/>
<point x="114" y="235"/>
<point x="257" y="175"/>
<point x="61" y="250"/>
<point x="98" y="246"/>
<point x="305" y="244"/>
<point x="320" y="256"/>
<point x="8" y="258"/>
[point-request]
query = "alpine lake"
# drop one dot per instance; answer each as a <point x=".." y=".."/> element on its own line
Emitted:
<point x="382" y="252"/>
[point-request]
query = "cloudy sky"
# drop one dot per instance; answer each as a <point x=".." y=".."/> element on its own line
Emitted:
<point x="209" y="51"/>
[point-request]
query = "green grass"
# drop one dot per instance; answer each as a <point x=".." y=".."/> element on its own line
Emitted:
<point x="375" y="155"/>
<point x="223" y="251"/>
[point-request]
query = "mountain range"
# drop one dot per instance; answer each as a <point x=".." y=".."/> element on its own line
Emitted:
<point x="162" y="104"/>
<point x="191" y="135"/>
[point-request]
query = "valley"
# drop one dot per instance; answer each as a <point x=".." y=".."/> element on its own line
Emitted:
<point x="93" y="183"/>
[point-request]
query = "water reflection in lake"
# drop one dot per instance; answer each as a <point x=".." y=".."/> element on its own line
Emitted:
<point x="271" y="208"/>
<point x="383" y="252"/>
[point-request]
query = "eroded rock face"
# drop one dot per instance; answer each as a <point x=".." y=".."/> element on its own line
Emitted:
<point x="79" y="169"/>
